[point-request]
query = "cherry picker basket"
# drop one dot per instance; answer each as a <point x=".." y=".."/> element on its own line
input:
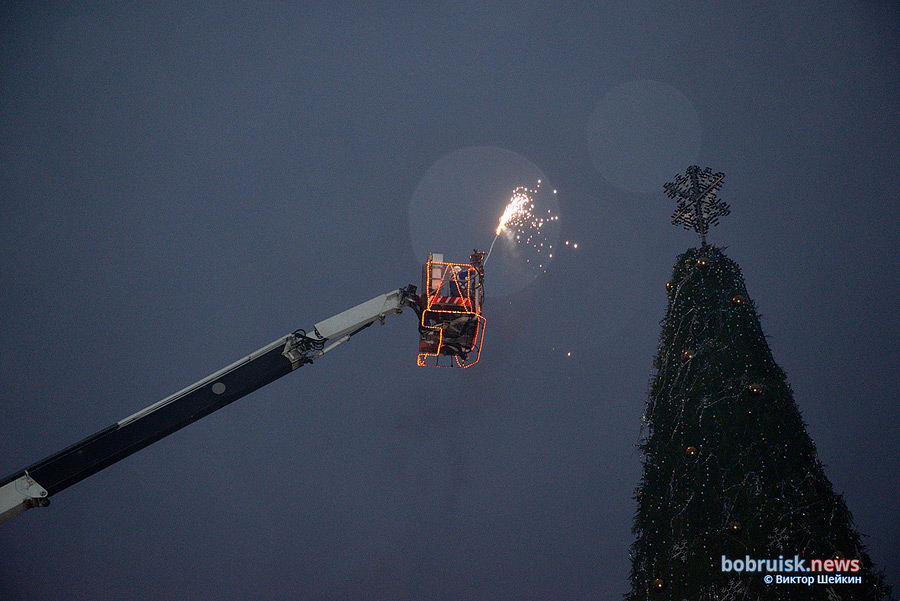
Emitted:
<point x="451" y="326"/>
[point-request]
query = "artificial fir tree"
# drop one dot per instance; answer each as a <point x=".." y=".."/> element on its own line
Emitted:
<point x="729" y="469"/>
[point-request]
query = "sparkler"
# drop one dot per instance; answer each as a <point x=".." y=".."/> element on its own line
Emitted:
<point x="519" y="217"/>
<point x="517" y="207"/>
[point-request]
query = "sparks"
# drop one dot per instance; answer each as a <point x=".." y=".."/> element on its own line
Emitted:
<point x="516" y="209"/>
<point x="523" y="220"/>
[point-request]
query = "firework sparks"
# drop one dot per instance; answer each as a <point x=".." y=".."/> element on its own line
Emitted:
<point x="517" y="210"/>
<point x="524" y="222"/>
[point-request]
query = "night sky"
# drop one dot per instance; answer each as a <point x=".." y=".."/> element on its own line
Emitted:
<point x="182" y="184"/>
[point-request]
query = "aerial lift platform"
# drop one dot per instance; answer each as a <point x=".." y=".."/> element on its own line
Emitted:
<point x="451" y="329"/>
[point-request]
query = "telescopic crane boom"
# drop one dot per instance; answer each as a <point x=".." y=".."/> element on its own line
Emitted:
<point x="33" y="486"/>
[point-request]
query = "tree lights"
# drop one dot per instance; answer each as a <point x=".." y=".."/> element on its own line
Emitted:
<point x="757" y="488"/>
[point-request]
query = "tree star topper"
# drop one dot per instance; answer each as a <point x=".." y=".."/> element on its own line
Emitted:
<point x="698" y="207"/>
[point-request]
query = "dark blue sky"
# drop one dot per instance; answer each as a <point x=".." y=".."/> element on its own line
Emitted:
<point x="183" y="184"/>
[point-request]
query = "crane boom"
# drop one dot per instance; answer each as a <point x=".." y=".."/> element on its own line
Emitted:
<point x="33" y="486"/>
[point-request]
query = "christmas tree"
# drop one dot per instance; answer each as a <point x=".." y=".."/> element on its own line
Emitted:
<point x="730" y="472"/>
